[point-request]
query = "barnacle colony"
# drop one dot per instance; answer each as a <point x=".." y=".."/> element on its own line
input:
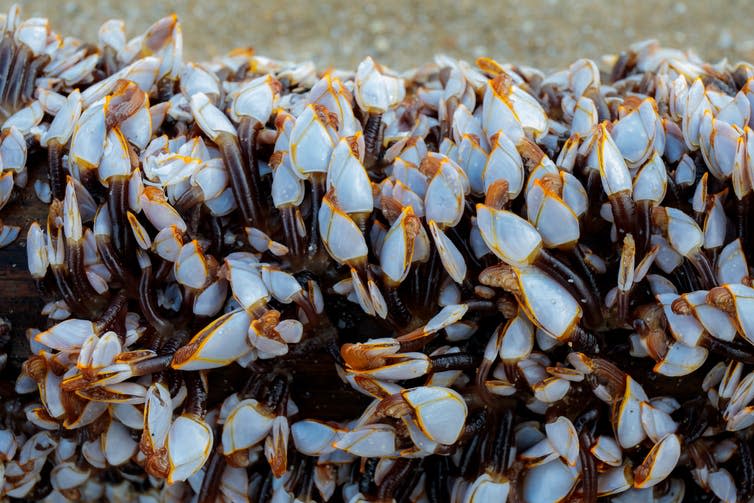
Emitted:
<point x="534" y="287"/>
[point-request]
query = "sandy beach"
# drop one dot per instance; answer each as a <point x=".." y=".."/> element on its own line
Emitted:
<point x="542" y="33"/>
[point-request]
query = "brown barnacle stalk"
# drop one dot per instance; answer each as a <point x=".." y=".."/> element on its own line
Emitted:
<point x="213" y="476"/>
<point x="626" y="275"/>
<point x="148" y="299"/>
<point x="373" y="138"/>
<point x="74" y="252"/>
<point x="395" y="266"/>
<point x="616" y="182"/>
<point x="7" y="51"/>
<point x="317" y="191"/>
<point x="248" y="131"/>
<point x="585" y="425"/>
<point x="375" y="91"/>
<point x="747" y="465"/>
<point x="58" y="259"/>
<point x="352" y="179"/>
<point x="5" y="337"/>
<point x="55" y="168"/>
<point x="553" y="184"/>
<point x="276" y="444"/>
<point x="319" y="117"/>
<point x="119" y="161"/>
<point x="56" y="138"/>
<point x="112" y="318"/>
<point x="220" y="130"/>
<point x="117" y="207"/>
<point x="21" y="58"/>
<point x="293" y="225"/>
<point x="252" y="108"/>
<point x="106" y="250"/>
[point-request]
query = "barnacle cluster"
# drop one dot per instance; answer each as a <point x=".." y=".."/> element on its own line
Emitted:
<point x="533" y="286"/>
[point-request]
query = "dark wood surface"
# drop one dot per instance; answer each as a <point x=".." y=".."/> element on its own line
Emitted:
<point x="20" y="299"/>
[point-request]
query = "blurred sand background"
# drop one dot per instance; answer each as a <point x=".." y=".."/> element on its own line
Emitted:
<point x="545" y="33"/>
